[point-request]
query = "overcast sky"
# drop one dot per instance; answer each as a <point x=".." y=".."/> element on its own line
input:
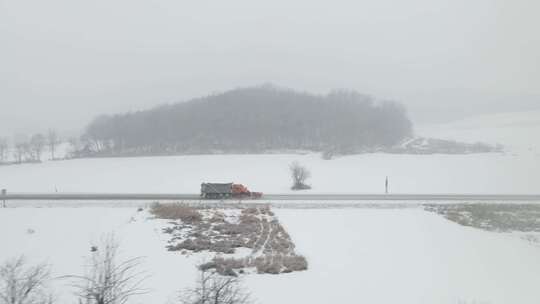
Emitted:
<point x="64" y="61"/>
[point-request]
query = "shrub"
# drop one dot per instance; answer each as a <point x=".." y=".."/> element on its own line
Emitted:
<point x="22" y="283"/>
<point x="195" y="245"/>
<point x="295" y="263"/>
<point x="275" y="264"/>
<point x="225" y="266"/>
<point x="299" y="175"/>
<point x="267" y="264"/>
<point x="214" y="288"/>
<point x="107" y="279"/>
<point x="177" y="211"/>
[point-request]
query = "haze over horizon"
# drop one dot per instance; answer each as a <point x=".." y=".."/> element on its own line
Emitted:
<point x="64" y="62"/>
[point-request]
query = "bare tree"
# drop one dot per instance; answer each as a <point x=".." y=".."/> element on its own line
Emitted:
<point x="299" y="176"/>
<point x="108" y="281"/>
<point x="52" y="141"/>
<point x="19" y="152"/>
<point x="23" y="284"/>
<point x="213" y="288"/>
<point x="3" y="149"/>
<point x="37" y="143"/>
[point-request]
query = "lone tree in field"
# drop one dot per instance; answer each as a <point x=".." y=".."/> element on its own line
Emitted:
<point x="24" y="284"/>
<point x="107" y="280"/>
<point x="213" y="288"/>
<point x="299" y="176"/>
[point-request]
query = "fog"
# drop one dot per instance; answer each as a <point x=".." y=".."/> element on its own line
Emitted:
<point x="63" y="62"/>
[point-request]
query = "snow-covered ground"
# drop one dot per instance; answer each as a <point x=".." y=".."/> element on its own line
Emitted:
<point x="515" y="171"/>
<point x="62" y="237"/>
<point x="478" y="173"/>
<point x="519" y="132"/>
<point x="402" y="256"/>
<point x="355" y="256"/>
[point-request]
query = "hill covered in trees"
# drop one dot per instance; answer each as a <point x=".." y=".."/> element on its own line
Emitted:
<point x="253" y="120"/>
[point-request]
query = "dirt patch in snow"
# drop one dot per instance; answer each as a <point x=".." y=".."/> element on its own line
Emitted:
<point x="244" y="239"/>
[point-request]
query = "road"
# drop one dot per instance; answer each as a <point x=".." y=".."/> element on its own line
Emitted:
<point x="276" y="197"/>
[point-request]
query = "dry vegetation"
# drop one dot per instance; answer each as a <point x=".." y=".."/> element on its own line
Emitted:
<point x="21" y="283"/>
<point x="492" y="217"/>
<point x="212" y="288"/>
<point x="107" y="279"/>
<point x="224" y="231"/>
<point x="176" y="211"/>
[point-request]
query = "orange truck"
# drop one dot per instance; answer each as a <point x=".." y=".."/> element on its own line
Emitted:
<point x="227" y="190"/>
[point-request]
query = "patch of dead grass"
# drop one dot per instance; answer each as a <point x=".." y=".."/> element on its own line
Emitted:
<point x="176" y="211"/>
<point x="255" y="228"/>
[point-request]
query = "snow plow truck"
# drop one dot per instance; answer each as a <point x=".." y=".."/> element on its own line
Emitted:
<point x="227" y="190"/>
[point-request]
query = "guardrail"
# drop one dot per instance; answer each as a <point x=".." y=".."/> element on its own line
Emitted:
<point x="273" y="197"/>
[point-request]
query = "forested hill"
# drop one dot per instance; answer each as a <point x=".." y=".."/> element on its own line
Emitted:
<point x="255" y="120"/>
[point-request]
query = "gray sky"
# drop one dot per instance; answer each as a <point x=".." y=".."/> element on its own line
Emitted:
<point x="64" y="61"/>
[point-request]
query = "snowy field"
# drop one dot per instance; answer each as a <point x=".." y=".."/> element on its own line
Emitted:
<point x="355" y="256"/>
<point x="479" y="173"/>
<point x="357" y="253"/>
<point x="517" y="171"/>
<point x="518" y="131"/>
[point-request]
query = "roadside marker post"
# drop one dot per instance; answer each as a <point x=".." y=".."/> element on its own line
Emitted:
<point x="4" y="192"/>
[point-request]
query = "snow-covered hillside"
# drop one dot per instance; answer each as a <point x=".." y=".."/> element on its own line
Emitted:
<point x="519" y="131"/>
<point x="407" y="256"/>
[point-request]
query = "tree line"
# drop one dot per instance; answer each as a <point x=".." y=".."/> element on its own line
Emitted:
<point x="29" y="150"/>
<point x="252" y="120"/>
